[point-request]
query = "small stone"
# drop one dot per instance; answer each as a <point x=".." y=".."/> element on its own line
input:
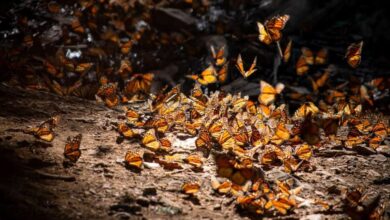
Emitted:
<point x="379" y="158"/>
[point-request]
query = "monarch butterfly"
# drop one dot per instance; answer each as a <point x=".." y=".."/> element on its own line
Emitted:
<point x="151" y="142"/>
<point x="320" y="82"/>
<point x="354" y="54"/>
<point x="311" y="130"/>
<point x="306" y="109"/>
<point x="208" y="76"/>
<point x="303" y="152"/>
<point x="132" y="116"/>
<point x="226" y="140"/>
<point x="125" y="131"/>
<point x="255" y="138"/>
<point x="240" y="67"/>
<point x="190" y="188"/>
<point x="302" y="67"/>
<point x="223" y="73"/>
<point x="287" y="52"/>
<point x="215" y="128"/>
<point x="218" y="57"/>
<point x="194" y="160"/>
<point x="72" y="148"/>
<point x="268" y="93"/>
<point x="133" y="159"/>
<point x="281" y="134"/>
<point x="319" y="59"/>
<point x="139" y="83"/>
<point x="270" y="31"/>
<point x="364" y="95"/>
<point x="203" y="141"/>
<point x="45" y="130"/>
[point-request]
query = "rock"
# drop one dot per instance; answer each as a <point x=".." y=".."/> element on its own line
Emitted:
<point x="370" y="200"/>
<point x="173" y="19"/>
<point x="379" y="158"/>
<point x="384" y="149"/>
<point x="142" y="201"/>
<point x="364" y="150"/>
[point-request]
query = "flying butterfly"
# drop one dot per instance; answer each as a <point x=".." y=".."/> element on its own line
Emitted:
<point x="218" y="56"/>
<point x="354" y="54"/>
<point x="301" y="67"/>
<point x="319" y="59"/>
<point x="72" y="148"/>
<point x="320" y="82"/>
<point x="271" y="30"/>
<point x="268" y="93"/>
<point x="222" y="74"/>
<point x="208" y="76"/>
<point x="287" y="52"/>
<point x="240" y="67"/>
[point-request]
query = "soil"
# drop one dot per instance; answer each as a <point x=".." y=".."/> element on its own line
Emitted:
<point x="35" y="184"/>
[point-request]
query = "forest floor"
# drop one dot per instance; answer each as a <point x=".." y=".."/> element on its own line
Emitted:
<point x="36" y="185"/>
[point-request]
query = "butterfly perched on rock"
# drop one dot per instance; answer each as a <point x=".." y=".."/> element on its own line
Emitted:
<point x="72" y="150"/>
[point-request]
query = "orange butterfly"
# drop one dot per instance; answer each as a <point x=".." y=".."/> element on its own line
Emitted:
<point x="151" y="142"/>
<point x="320" y="82"/>
<point x="190" y="188"/>
<point x="310" y="131"/>
<point x="125" y="131"/>
<point x="306" y="109"/>
<point x="218" y="57"/>
<point x="303" y="152"/>
<point x="194" y="160"/>
<point x="208" y="76"/>
<point x="240" y="67"/>
<point x="281" y="134"/>
<point x="226" y="141"/>
<point x="319" y="59"/>
<point x="270" y="31"/>
<point x="302" y="67"/>
<point x="72" y="148"/>
<point x="222" y="74"/>
<point x="287" y="52"/>
<point x="45" y="130"/>
<point x="139" y="83"/>
<point x="203" y="142"/>
<point x="133" y="159"/>
<point x="268" y="93"/>
<point x="354" y="54"/>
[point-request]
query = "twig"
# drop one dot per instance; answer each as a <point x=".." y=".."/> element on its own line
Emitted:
<point x="55" y="176"/>
<point x="279" y="49"/>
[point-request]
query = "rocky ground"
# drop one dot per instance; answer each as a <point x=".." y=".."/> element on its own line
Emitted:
<point x="36" y="185"/>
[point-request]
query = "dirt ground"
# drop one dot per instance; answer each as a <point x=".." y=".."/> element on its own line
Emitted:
<point x="36" y="185"/>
